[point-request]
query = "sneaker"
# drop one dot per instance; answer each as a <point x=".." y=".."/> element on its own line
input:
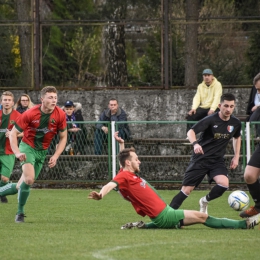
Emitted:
<point x="139" y="224"/>
<point x="3" y="199"/>
<point x="203" y="206"/>
<point x="253" y="221"/>
<point x="252" y="211"/>
<point x="19" y="218"/>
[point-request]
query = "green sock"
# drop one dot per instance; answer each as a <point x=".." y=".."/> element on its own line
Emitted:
<point x="2" y="183"/>
<point x="225" y="223"/>
<point x="150" y="225"/>
<point x="8" y="189"/>
<point x="23" y="195"/>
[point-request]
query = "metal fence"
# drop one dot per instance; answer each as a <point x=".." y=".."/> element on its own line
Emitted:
<point x="162" y="148"/>
<point x="69" y="45"/>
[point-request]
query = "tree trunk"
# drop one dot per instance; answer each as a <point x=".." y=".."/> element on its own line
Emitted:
<point x="191" y="39"/>
<point x="115" y="56"/>
<point x="25" y="41"/>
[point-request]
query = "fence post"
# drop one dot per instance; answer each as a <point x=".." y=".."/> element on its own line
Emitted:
<point x="248" y="135"/>
<point x="113" y="149"/>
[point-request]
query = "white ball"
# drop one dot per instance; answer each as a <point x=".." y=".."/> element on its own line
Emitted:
<point x="238" y="200"/>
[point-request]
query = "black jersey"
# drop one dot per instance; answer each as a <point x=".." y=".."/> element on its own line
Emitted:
<point x="215" y="135"/>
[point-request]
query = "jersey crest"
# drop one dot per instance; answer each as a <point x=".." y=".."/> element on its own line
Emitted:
<point x="230" y="128"/>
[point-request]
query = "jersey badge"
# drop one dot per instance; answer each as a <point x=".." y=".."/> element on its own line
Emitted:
<point x="53" y="121"/>
<point x="12" y="122"/>
<point x="143" y="183"/>
<point x="230" y="128"/>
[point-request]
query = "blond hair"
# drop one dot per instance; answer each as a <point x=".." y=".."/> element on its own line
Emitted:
<point x="48" y="89"/>
<point x="7" y="93"/>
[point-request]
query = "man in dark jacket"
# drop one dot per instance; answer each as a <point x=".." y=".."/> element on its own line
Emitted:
<point x="112" y="113"/>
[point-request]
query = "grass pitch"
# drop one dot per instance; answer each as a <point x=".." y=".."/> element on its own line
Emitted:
<point x="64" y="224"/>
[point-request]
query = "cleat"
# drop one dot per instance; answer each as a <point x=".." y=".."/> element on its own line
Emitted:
<point x="130" y="225"/>
<point x="252" y="211"/>
<point x="203" y="206"/>
<point x="253" y="221"/>
<point x="19" y="218"/>
<point x="3" y="199"/>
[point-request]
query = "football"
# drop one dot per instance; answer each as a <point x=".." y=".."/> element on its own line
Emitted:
<point x="238" y="200"/>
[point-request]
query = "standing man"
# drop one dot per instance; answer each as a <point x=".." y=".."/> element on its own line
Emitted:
<point x="206" y="99"/>
<point x="8" y="117"/>
<point x="147" y="202"/>
<point x="208" y="153"/>
<point x="39" y="125"/>
<point x="252" y="171"/>
<point x="112" y="113"/>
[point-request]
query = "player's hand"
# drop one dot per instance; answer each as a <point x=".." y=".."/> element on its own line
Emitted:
<point x="118" y="138"/>
<point x="7" y="133"/>
<point x="210" y="112"/>
<point x="94" y="195"/>
<point x="192" y="111"/>
<point x="52" y="162"/>
<point x="234" y="163"/>
<point x="20" y="156"/>
<point x="198" y="149"/>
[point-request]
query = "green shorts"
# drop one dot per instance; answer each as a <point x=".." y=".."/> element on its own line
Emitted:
<point x="7" y="164"/>
<point x="34" y="157"/>
<point x="168" y="218"/>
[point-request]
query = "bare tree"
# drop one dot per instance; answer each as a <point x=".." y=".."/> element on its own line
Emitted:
<point x="23" y="8"/>
<point x="191" y="39"/>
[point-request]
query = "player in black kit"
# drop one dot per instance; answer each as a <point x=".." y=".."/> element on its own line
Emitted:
<point x="208" y="155"/>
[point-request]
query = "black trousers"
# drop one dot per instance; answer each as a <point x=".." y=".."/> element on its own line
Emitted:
<point x="200" y="113"/>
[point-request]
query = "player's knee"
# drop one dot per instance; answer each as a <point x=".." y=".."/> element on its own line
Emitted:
<point x="249" y="178"/>
<point x="29" y="181"/>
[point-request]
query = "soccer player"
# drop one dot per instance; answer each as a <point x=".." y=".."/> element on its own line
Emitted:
<point x="8" y="117"/>
<point x="39" y="125"/>
<point x="208" y="153"/>
<point x="146" y="201"/>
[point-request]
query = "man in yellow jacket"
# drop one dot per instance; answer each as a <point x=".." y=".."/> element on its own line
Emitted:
<point x="206" y="99"/>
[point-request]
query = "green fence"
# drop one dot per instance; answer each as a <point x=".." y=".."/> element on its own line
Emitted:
<point x="162" y="147"/>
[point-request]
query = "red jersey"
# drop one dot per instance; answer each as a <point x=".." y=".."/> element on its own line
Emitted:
<point x="139" y="192"/>
<point x="40" y="128"/>
<point x="7" y="122"/>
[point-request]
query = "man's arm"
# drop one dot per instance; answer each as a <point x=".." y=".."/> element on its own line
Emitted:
<point x="196" y="100"/>
<point x="192" y="138"/>
<point x="59" y="149"/>
<point x="14" y="144"/>
<point x="103" y="192"/>
<point x="236" y="147"/>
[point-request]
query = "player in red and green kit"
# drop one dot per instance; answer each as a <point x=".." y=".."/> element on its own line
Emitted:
<point x="147" y="202"/>
<point x="8" y="117"/>
<point x="39" y="125"/>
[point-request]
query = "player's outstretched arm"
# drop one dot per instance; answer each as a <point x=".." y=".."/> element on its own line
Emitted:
<point x="103" y="192"/>
<point x="120" y="141"/>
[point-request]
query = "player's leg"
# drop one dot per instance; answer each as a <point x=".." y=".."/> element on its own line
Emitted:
<point x="7" y="165"/>
<point x="251" y="176"/>
<point x="195" y="217"/>
<point x="193" y="176"/>
<point x="218" y="172"/>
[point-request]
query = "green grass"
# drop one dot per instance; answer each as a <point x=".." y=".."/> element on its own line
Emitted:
<point x="64" y="224"/>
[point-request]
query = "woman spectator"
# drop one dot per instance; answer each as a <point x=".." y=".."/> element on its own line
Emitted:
<point x="24" y="103"/>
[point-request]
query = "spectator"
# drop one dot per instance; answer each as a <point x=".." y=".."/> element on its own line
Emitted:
<point x="206" y="99"/>
<point x="253" y="106"/>
<point x="112" y="113"/>
<point x="77" y="133"/>
<point x="24" y="103"/>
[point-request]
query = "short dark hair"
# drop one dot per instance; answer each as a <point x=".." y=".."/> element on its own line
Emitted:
<point x="256" y="78"/>
<point x="112" y="99"/>
<point x="228" y="97"/>
<point x="125" y="155"/>
<point x="48" y="89"/>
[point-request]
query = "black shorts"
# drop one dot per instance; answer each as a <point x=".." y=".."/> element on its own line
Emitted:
<point x="255" y="158"/>
<point x="196" y="171"/>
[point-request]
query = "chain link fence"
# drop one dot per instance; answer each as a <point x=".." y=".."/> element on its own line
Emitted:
<point x="162" y="148"/>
